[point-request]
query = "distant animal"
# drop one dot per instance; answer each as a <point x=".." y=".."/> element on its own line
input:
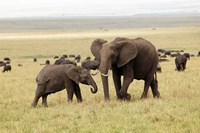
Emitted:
<point x="198" y="54"/>
<point x="7" y="62"/>
<point x="34" y="59"/>
<point x="163" y="56"/>
<point x="163" y="60"/>
<point x="65" y="56"/>
<point x="159" y="69"/>
<point x="62" y="58"/>
<point x="90" y="64"/>
<point x="72" y="56"/>
<point x="7" y="59"/>
<point x="19" y="65"/>
<point x="187" y="55"/>
<point x="77" y="58"/>
<point x="59" y="61"/>
<point x="47" y="62"/>
<point x="69" y="62"/>
<point x="7" y="68"/>
<point x="167" y="53"/>
<point x="173" y="55"/>
<point x="56" y="57"/>
<point x="62" y="61"/>
<point x="192" y="55"/>
<point x="2" y="63"/>
<point x="54" y="78"/>
<point x="88" y="58"/>
<point x="180" y="62"/>
<point x="161" y="50"/>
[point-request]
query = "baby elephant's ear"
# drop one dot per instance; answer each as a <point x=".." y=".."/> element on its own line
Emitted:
<point x="73" y="74"/>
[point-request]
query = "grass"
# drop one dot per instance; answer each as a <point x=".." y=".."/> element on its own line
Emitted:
<point x="178" y="109"/>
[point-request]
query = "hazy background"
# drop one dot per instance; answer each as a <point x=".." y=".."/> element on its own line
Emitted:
<point x="77" y="8"/>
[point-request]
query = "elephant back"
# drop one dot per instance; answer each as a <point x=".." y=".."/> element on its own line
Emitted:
<point x="42" y="78"/>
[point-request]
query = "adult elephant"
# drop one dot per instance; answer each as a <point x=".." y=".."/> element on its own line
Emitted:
<point x="131" y="58"/>
<point x="54" y="78"/>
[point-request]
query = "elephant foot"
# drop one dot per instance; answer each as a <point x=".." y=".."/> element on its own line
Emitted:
<point x="125" y="96"/>
<point x="158" y="94"/>
<point x="143" y="96"/>
<point x="33" y="105"/>
<point x="128" y="96"/>
<point x="79" y="100"/>
<point x="45" y="105"/>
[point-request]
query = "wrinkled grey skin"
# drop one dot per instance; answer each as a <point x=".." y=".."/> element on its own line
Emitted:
<point x="180" y="62"/>
<point x="130" y="58"/>
<point x="54" y="78"/>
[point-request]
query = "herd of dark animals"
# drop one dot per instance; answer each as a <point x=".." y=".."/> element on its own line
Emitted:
<point x="6" y="64"/>
<point x="179" y="55"/>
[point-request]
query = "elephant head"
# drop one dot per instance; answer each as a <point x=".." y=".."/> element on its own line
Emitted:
<point x="114" y="54"/>
<point x="96" y="47"/>
<point x="82" y="75"/>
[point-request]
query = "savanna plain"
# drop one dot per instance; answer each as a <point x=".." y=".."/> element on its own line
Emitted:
<point x="176" y="111"/>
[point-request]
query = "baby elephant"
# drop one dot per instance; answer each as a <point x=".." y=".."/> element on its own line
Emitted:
<point x="54" y="78"/>
<point x="180" y="62"/>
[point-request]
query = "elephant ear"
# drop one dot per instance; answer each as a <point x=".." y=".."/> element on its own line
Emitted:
<point x="96" y="47"/>
<point x="73" y="74"/>
<point x="127" y="51"/>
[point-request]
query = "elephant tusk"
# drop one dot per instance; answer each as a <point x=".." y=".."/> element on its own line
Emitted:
<point x="95" y="73"/>
<point x="105" y="75"/>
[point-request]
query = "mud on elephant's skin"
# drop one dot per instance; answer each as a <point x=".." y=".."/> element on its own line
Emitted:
<point x="54" y="78"/>
<point x="127" y="57"/>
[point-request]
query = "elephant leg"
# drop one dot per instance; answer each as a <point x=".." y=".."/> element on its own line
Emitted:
<point x="70" y="93"/>
<point x="128" y="78"/>
<point x="117" y="81"/>
<point x="70" y="90"/>
<point x="44" y="100"/>
<point x="39" y="92"/>
<point x="154" y="88"/>
<point x="148" y="81"/>
<point x="146" y="88"/>
<point x="181" y="67"/>
<point x="78" y="93"/>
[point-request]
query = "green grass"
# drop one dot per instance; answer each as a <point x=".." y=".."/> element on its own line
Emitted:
<point x="178" y="109"/>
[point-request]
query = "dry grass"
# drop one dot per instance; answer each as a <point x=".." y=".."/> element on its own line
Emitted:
<point x="178" y="109"/>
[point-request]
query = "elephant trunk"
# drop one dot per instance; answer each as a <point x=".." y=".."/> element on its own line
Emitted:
<point x="94" y="88"/>
<point x="104" y="76"/>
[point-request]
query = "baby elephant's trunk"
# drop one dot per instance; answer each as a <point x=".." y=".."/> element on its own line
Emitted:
<point x="94" y="88"/>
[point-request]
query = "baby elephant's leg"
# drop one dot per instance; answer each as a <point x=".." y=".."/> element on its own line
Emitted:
<point x="44" y="100"/>
<point x="78" y="93"/>
<point x="70" y="91"/>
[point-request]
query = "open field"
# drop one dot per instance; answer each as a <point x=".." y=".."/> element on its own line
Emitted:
<point x="178" y="109"/>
